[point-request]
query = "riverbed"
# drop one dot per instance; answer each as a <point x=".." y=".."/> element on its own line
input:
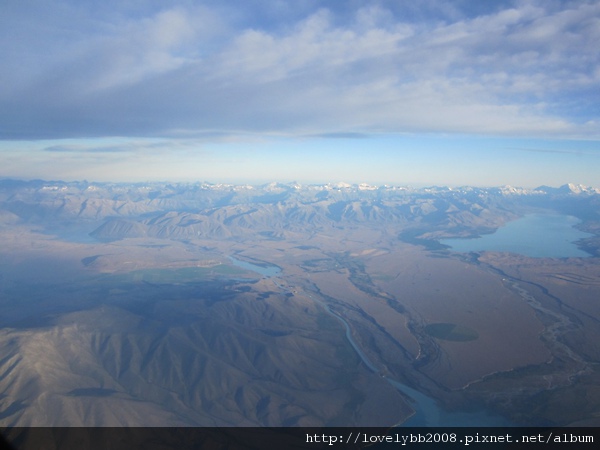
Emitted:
<point x="427" y="411"/>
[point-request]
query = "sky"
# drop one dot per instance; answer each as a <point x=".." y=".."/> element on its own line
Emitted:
<point x="379" y="91"/>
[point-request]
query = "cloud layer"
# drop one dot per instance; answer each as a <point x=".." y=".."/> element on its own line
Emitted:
<point x="75" y="69"/>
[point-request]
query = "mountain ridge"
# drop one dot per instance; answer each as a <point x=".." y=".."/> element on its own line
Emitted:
<point x="112" y="211"/>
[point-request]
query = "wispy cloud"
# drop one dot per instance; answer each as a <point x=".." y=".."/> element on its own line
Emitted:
<point x="559" y="151"/>
<point x="524" y="69"/>
<point x="347" y="135"/>
<point x="85" y="149"/>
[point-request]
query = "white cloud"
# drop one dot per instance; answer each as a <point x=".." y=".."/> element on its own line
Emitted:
<point x="455" y="77"/>
<point x="501" y="73"/>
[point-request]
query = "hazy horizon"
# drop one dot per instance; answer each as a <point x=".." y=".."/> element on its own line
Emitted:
<point x="256" y="183"/>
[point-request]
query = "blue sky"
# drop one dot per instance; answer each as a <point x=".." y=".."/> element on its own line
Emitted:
<point x="428" y="92"/>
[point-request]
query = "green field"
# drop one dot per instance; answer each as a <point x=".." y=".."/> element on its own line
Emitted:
<point x="451" y="332"/>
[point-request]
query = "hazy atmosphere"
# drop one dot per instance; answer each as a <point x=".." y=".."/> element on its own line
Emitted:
<point x="461" y="93"/>
<point x="262" y="214"/>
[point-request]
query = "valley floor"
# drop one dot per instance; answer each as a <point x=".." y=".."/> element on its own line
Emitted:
<point x="150" y="331"/>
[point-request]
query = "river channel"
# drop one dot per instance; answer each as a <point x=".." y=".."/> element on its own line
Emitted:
<point x="427" y="411"/>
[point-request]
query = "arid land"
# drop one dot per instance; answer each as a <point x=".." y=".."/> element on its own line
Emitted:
<point x="163" y="328"/>
<point x="261" y="351"/>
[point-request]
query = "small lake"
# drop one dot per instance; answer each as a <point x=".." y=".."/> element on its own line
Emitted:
<point x="534" y="235"/>
<point x="265" y="270"/>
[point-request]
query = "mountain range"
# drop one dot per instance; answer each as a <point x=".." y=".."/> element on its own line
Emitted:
<point x="112" y="211"/>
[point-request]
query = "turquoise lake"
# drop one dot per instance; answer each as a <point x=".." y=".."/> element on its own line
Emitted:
<point x="266" y="270"/>
<point x="534" y="235"/>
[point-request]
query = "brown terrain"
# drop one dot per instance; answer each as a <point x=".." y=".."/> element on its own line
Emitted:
<point x="152" y="323"/>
